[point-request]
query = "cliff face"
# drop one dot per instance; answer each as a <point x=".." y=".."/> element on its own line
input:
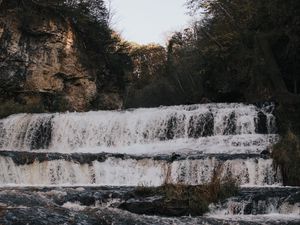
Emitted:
<point x="40" y="60"/>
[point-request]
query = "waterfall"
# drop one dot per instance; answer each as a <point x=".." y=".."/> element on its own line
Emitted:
<point x="151" y="147"/>
<point x="177" y="144"/>
<point x="132" y="172"/>
<point x="235" y="128"/>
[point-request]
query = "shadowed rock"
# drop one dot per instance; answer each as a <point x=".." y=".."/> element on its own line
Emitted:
<point x="22" y="158"/>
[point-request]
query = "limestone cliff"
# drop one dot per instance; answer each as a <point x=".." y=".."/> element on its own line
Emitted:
<point x="40" y="61"/>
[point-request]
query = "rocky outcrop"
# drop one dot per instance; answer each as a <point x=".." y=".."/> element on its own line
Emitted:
<point x="40" y="60"/>
<point x="121" y="205"/>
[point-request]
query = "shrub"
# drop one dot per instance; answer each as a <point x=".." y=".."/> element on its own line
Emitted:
<point x="286" y="154"/>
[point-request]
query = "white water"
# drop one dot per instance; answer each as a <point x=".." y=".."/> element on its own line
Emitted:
<point x="272" y="218"/>
<point x="273" y="205"/>
<point x="130" y="172"/>
<point x="211" y="128"/>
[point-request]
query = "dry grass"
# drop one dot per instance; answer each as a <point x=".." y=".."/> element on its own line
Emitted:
<point x="191" y="200"/>
<point x="10" y="107"/>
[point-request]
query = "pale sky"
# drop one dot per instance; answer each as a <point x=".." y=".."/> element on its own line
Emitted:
<point x="147" y="21"/>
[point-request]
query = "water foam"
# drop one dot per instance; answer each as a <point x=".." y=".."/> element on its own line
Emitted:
<point x="131" y="172"/>
<point x="235" y="128"/>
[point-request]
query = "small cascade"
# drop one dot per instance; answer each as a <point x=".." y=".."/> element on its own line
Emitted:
<point x="44" y="169"/>
<point x="261" y="201"/>
<point x="177" y="144"/>
<point x="228" y="127"/>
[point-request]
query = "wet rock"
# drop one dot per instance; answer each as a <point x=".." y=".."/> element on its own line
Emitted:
<point x="50" y="205"/>
<point x="265" y="152"/>
<point x="231" y="125"/>
<point x="261" y="123"/>
<point x="201" y="126"/>
<point x="42" y="135"/>
<point x="23" y="157"/>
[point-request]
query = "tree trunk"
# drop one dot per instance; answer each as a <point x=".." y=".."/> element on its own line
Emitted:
<point x="295" y="87"/>
<point x="281" y="92"/>
<point x="272" y="66"/>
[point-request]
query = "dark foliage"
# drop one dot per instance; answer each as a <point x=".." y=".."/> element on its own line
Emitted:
<point x="286" y="154"/>
<point x="238" y="51"/>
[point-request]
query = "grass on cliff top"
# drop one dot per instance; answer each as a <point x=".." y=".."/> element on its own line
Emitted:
<point x="286" y="154"/>
<point x="56" y="104"/>
<point x="10" y="107"/>
<point x="184" y="200"/>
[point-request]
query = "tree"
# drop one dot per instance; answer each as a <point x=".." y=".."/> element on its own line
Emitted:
<point x="261" y="33"/>
<point x="148" y="63"/>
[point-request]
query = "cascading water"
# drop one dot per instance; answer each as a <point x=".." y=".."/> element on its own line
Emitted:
<point x="149" y="147"/>
<point x="258" y="201"/>
<point x="218" y="129"/>
<point x="136" y="172"/>
<point x="209" y="128"/>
